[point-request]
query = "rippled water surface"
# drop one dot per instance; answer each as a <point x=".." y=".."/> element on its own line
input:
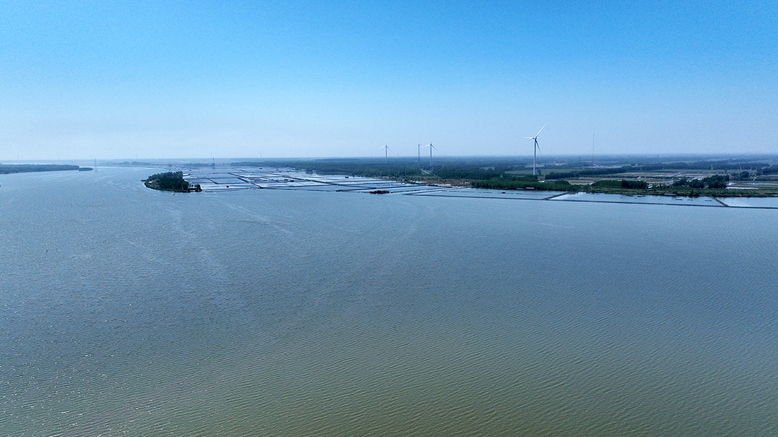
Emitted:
<point x="126" y="311"/>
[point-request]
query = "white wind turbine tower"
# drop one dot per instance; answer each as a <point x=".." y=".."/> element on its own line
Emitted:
<point x="386" y="152"/>
<point x="431" y="147"/>
<point x="535" y="149"/>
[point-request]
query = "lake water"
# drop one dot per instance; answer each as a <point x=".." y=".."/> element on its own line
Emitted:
<point x="127" y="311"/>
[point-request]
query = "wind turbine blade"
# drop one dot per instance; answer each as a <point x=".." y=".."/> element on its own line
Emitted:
<point x="529" y="138"/>
<point x="541" y="129"/>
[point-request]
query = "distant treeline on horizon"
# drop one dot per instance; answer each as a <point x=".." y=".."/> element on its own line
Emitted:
<point x="29" y="168"/>
<point x="485" y="167"/>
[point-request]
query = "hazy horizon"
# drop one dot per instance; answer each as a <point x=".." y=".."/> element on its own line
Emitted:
<point x="152" y="80"/>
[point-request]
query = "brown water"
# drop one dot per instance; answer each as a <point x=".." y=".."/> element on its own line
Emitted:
<point x="126" y="311"/>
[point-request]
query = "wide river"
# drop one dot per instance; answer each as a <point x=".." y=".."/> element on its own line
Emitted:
<point x="127" y="311"/>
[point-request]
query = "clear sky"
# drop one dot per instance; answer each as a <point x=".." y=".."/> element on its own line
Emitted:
<point x="187" y="79"/>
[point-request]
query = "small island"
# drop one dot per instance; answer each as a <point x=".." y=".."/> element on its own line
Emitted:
<point x="171" y="181"/>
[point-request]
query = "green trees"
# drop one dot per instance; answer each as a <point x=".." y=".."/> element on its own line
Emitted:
<point x="508" y="184"/>
<point x="715" y="182"/>
<point x="606" y="183"/>
<point x="170" y="181"/>
<point x="634" y="185"/>
<point x="626" y="184"/>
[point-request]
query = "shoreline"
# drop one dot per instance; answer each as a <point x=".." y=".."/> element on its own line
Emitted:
<point x="588" y="189"/>
<point x="236" y="179"/>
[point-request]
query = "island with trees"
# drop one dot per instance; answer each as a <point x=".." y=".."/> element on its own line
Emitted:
<point x="171" y="181"/>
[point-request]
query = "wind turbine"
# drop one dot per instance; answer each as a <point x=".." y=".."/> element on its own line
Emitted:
<point x="418" y="149"/>
<point x="535" y="149"/>
<point x="431" y="147"/>
<point x="386" y="152"/>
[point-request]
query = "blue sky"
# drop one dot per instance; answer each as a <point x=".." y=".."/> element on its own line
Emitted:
<point x="110" y="80"/>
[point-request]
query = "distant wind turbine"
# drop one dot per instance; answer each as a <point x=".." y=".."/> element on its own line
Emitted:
<point x="431" y="147"/>
<point x="535" y="149"/>
<point x="418" y="149"/>
<point x="386" y="152"/>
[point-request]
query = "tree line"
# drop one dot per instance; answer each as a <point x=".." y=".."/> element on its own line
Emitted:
<point x="28" y="168"/>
